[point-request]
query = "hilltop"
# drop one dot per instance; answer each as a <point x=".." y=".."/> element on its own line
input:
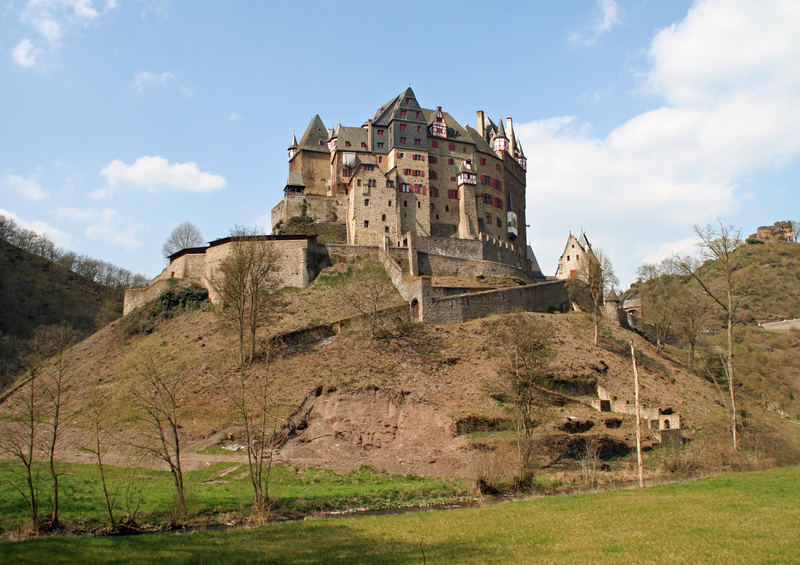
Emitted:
<point x="767" y="283"/>
<point x="35" y="291"/>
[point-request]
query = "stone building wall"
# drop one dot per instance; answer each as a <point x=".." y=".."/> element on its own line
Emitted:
<point x="373" y="211"/>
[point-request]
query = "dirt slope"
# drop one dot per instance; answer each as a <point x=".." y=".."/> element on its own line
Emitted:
<point x="396" y="403"/>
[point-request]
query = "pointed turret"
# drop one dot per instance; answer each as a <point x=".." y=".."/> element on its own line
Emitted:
<point x="520" y="155"/>
<point x="293" y="146"/>
<point x="500" y="141"/>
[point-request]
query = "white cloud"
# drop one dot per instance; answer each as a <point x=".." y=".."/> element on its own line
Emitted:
<point x="234" y="117"/>
<point x="156" y="171"/>
<point x="54" y="234"/>
<point x="84" y="214"/>
<point x="27" y="187"/>
<point x="51" y="20"/>
<point x="144" y="78"/>
<point x="109" y="226"/>
<point x="730" y="76"/>
<point x="104" y="224"/>
<point x="606" y="21"/>
<point x="25" y="54"/>
<point x="655" y="253"/>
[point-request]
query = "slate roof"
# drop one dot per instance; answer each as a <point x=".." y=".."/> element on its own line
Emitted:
<point x="481" y="144"/>
<point x="295" y="179"/>
<point x="316" y="136"/>
<point x="356" y="136"/>
<point x="501" y="131"/>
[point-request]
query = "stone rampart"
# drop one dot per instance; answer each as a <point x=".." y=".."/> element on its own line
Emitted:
<point x="136" y="297"/>
<point x="541" y="297"/>
<point x="435" y="265"/>
<point x="299" y="261"/>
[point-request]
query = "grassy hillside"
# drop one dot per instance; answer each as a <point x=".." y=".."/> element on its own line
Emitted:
<point x="768" y="280"/>
<point x="35" y="292"/>
<point x="455" y="368"/>
<point x="736" y="518"/>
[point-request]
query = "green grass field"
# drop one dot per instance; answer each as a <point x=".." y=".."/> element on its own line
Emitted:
<point x="219" y="490"/>
<point x="734" y="518"/>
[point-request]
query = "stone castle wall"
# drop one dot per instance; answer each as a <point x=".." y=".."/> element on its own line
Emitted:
<point x="541" y="297"/>
<point x="319" y="208"/>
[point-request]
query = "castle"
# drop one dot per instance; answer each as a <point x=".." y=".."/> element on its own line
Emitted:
<point x="410" y="170"/>
<point x="427" y="197"/>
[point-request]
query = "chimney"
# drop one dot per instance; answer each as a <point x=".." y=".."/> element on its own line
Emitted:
<point x="510" y="134"/>
<point x="481" y="124"/>
<point x="369" y="135"/>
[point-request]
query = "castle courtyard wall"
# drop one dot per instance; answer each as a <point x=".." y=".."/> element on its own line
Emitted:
<point x="541" y="297"/>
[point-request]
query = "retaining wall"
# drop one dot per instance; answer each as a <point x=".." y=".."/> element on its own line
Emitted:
<point x="541" y="297"/>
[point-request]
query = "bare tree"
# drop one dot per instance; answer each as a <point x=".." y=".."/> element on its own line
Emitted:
<point x="156" y="391"/>
<point x="528" y="357"/>
<point x="659" y="291"/>
<point x="692" y="316"/>
<point x="252" y="398"/>
<point x="20" y="441"/>
<point x="598" y="274"/>
<point x="54" y="341"/>
<point x="182" y="237"/>
<point x="246" y="281"/>
<point x="718" y="244"/>
<point x="97" y="448"/>
<point x="369" y="292"/>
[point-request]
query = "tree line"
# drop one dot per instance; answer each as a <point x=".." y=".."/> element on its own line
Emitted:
<point x="97" y="270"/>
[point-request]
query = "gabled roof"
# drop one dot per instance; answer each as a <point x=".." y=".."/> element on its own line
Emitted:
<point x="316" y="136"/>
<point x="454" y="130"/>
<point x="355" y="136"/>
<point x="583" y="241"/>
<point x="385" y="113"/>
<point x="480" y="143"/>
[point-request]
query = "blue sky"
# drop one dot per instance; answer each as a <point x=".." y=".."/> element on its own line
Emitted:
<point x="121" y="119"/>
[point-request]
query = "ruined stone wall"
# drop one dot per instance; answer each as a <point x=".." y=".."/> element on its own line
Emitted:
<point x="542" y="297"/>
<point x="779" y="230"/>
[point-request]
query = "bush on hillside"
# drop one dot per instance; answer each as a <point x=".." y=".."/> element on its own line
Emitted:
<point x="169" y="303"/>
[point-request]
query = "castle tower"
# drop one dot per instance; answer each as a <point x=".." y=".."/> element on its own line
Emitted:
<point x="293" y="147"/>
<point x="500" y="141"/>
<point x="467" y="208"/>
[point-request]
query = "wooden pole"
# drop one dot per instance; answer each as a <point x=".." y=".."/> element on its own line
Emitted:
<point x="638" y="425"/>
